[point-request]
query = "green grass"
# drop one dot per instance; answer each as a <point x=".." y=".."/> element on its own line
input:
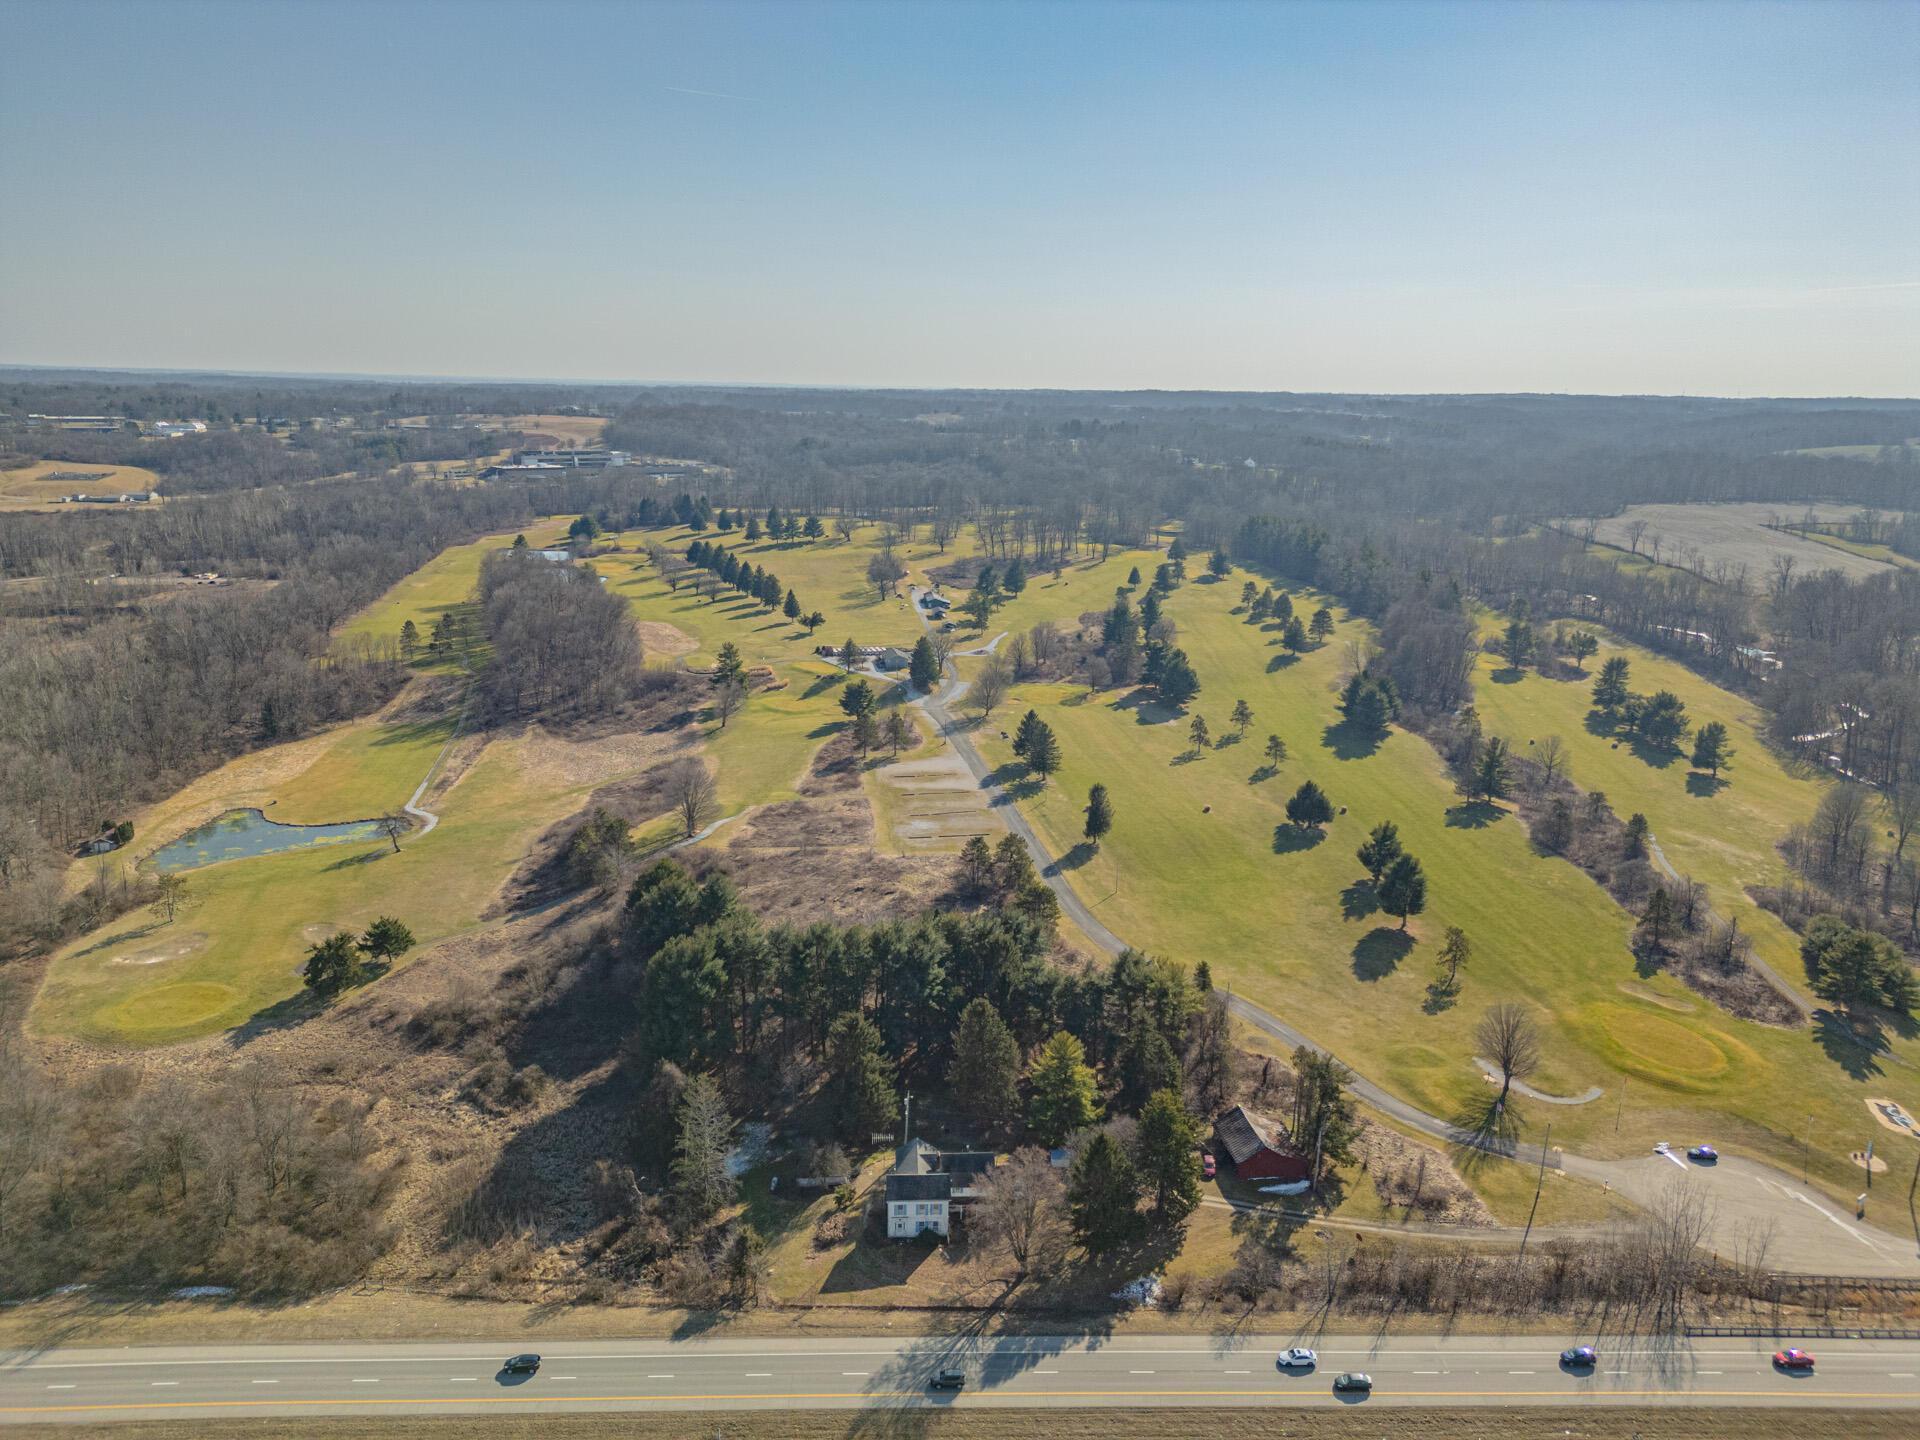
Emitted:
<point x="1721" y="834"/>
<point x="444" y="583"/>
<point x="370" y="771"/>
<point x="1200" y="865"/>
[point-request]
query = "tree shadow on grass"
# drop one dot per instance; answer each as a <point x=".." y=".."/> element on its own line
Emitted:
<point x="1186" y="757"/>
<point x="823" y="684"/>
<point x="1657" y="756"/>
<point x="1440" y="997"/>
<point x="1484" y="1129"/>
<point x="1232" y="737"/>
<point x="1853" y="1042"/>
<point x="1705" y="787"/>
<point x="1282" y="661"/>
<point x="1289" y="839"/>
<point x="1507" y="675"/>
<point x="1025" y="788"/>
<point x="1378" y="953"/>
<point x="1073" y="859"/>
<point x="1348" y="741"/>
<point x="1263" y="774"/>
<point x="120" y="937"/>
<point x="1147" y="706"/>
<point x="1474" y="815"/>
<point x="1008" y="773"/>
<point x="365" y="857"/>
<point x="1358" y="900"/>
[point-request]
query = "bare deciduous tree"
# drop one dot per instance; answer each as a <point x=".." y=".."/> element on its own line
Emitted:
<point x="693" y="794"/>
<point x="1022" y="1210"/>
<point x="1551" y="756"/>
<point x="990" y="686"/>
<point x="1509" y="1040"/>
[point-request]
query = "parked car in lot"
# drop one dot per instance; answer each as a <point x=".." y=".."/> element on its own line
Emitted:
<point x="949" y="1380"/>
<point x="1209" y="1167"/>
<point x="1298" y="1358"/>
<point x="1792" y="1359"/>
<point x="1353" y="1380"/>
<point x="1579" y="1357"/>
<point x="1705" y="1154"/>
<point x="521" y="1364"/>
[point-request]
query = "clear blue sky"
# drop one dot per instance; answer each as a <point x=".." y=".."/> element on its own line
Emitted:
<point x="1384" y="196"/>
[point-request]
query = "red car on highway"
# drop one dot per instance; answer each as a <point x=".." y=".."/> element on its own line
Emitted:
<point x="1793" y="1359"/>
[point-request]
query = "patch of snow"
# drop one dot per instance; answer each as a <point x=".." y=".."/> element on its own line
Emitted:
<point x="201" y="1292"/>
<point x="70" y="1289"/>
<point x="755" y="1137"/>
<point x="1291" y="1187"/>
<point x="1144" y="1291"/>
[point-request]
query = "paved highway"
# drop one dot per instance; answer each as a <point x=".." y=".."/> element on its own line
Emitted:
<point x="92" y="1386"/>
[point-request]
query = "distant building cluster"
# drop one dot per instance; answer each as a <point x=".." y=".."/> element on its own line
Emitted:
<point x="172" y="429"/>
<point x="584" y="458"/>
<point x="76" y="422"/>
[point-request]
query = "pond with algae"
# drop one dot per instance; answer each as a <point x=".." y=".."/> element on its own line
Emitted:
<point x="244" y="834"/>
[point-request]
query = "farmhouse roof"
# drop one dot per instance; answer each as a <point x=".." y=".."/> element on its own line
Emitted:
<point x="919" y="1187"/>
<point x="1245" y="1134"/>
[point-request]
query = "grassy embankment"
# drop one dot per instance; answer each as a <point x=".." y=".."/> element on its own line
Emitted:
<point x="32" y="487"/>
<point x="235" y="952"/>
<point x="1202" y="865"/>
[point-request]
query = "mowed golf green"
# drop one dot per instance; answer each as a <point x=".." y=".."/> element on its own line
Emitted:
<point x="1201" y="865"/>
<point x="235" y="952"/>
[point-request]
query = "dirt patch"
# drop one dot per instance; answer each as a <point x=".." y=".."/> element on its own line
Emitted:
<point x="939" y="804"/>
<point x="661" y="638"/>
<point x="1418" y="1179"/>
<point x="174" y="947"/>
<point x="1654" y="997"/>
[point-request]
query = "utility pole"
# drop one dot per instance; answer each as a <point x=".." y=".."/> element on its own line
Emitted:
<point x="1539" y="1181"/>
<point x="1622" y="1105"/>
<point x="1806" y="1145"/>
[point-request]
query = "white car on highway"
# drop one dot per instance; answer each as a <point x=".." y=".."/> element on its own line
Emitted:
<point x="1298" y="1358"/>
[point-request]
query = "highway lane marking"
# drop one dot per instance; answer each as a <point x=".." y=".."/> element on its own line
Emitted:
<point x="758" y="1375"/>
<point x="60" y="1387"/>
<point x="266" y="1382"/>
<point x="1140" y="1372"/>
<point x="451" y="1379"/>
<point x="659" y="1377"/>
<point x="854" y="1374"/>
<point x="563" y="1377"/>
<point x="359" y="1381"/>
<point x="1003" y="1401"/>
<point x="163" y="1382"/>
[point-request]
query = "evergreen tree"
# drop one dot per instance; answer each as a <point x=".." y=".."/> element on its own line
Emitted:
<point x="1308" y="806"/>
<point x="1103" y="1196"/>
<point x="924" y="667"/>
<point x="898" y="731"/>
<point x="1710" y="748"/>
<point x="1490" y="777"/>
<point x="985" y="1074"/>
<point x="728" y="668"/>
<point x="1099" y="814"/>
<point x="386" y="939"/>
<point x="1177" y="683"/>
<point x="1517" y="643"/>
<point x="753" y="529"/>
<point x="1061" y="1096"/>
<point x="1294" y="637"/>
<point x="1322" y="625"/>
<point x="1403" y="890"/>
<point x="1656" y="921"/>
<point x="1015" y="580"/>
<point x="1024" y="732"/>
<point x="976" y="867"/>
<point x="1242" y="717"/>
<point x="1167" y="1156"/>
<point x="792" y="607"/>
<point x="860" y="1094"/>
<point x="1249" y="592"/>
<point x="1043" y="752"/>
<point x="332" y="965"/>
<point x="1146" y="1062"/>
<point x="1198" y="735"/>
<point x="409" y="640"/>
<point x="1454" y="953"/>
<point x="813" y="622"/>
<point x="1379" y="851"/>
<point x="813" y="529"/>
<point x="1610" y="690"/>
<point x="849" y="655"/>
<point x="1133" y="576"/>
<point x="856" y="698"/>
<point x="702" y="1183"/>
<point x="1276" y="752"/>
<point x="1218" y="564"/>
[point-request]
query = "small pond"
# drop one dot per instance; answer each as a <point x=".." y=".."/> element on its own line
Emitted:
<point x="243" y="834"/>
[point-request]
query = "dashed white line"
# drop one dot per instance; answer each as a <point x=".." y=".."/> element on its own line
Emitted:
<point x="1046" y="1372"/>
<point x="563" y="1377"/>
<point x="1712" y="1372"/>
<point x="659" y="1377"/>
<point x="759" y="1375"/>
<point x="1236" y="1372"/>
<point x="1519" y="1372"/>
<point x="163" y="1382"/>
<point x="1427" y="1372"/>
<point x="1140" y="1372"/>
<point x="266" y="1382"/>
<point x="453" y="1379"/>
<point x="60" y="1387"/>
<point x="359" y="1381"/>
<point x="855" y="1374"/>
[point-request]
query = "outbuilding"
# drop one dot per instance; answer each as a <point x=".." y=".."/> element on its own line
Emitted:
<point x="1258" y="1149"/>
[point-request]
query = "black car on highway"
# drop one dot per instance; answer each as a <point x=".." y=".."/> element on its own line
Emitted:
<point x="521" y="1364"/>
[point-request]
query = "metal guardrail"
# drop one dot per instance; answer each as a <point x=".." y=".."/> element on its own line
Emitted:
<point x="1802" y="1332"/>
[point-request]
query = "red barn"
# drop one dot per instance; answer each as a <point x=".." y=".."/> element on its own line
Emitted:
<point x="1257" y="1148"/>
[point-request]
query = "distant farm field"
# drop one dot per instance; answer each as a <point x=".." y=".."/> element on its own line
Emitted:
<point x="1698" y="537"/>
<point x="36" y="486"/>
